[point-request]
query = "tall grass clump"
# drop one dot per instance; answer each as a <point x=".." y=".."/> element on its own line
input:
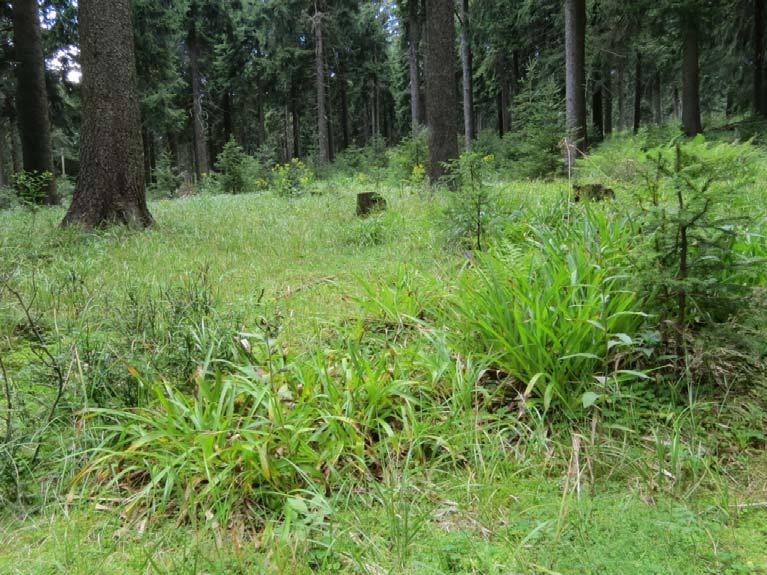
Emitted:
<point x="262" y="429"/>
<point x="559" y="321"/>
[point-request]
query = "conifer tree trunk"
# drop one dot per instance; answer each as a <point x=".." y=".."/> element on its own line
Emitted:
<point x="468" y="72"/>
<point x="441" y="86"/>
<point x="344" y="106"/>
<point x="621" y="98"/>
<point x="597" y="105"/>
<point x="202" y="164"/>
<point x="608" y="101"/>
<point x="690" y="79"/>
<point x="638" y="92"/>
<point x="414" y="40"/>
<point x="504" y="96"/>
<point x="322" y="112"/>
<point x="32" y="97"/>
<point x="657" y="99"/>
<point x="760" y="102"/>
<point x="575" y="58"/>
<point x="111" y="183"/>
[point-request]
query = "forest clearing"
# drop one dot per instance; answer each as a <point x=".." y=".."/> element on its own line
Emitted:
<point x="269" y="308"/>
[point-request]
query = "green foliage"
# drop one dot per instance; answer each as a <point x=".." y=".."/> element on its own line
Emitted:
<point x="555" y="322"/>
<point x="31" y="187"/>
<point x="692" y="223"/>
<point x="166" y="179"/>
<point x="292" y="179"/>
<point x="409" y="157"/>
<point x="472" y="211"/>
<point x="271" y="429"/>
<point x="237" y="169"/>
<point x="533" y="146"/>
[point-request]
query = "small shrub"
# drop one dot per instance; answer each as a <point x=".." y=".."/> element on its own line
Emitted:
<point x="692" y="223"/>
<point x="409" y="157"/>
<point x="291" y="179"/>
<point x="31" y="187"/>
<point x="231" y="164"/>
<point x="166" y="178"/>
<point x="533" y="146"/>
<point x="473" y="208"/>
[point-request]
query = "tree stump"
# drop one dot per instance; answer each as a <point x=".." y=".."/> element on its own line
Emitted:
<point x="370" y="202"/>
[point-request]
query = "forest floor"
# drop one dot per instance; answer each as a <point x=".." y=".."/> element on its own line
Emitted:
<point x="305" y="263"/>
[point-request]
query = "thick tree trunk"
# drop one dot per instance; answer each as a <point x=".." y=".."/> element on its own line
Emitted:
<point x="690" y="80"/>
<point x="414" y="40"/>
<point x="638" y="92"/>
<point x="32" y="98"/>
<point x="111" y="183"/>
<point x="468" y="72"/>
<point x="608" y="101"/>
<point x="575" y="57"/>
<point x="760" y="102"/>
<point x="441" y="86"/>
<point x="202" y="163"/>
<point x="657" y="99"/>
<point x="322" y="112"/>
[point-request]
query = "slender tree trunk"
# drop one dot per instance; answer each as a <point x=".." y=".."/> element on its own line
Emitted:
<point x="468" y="72"/>
<point x="504" y="97"/>
<point x="344" y="106"/>
<point x="111" y="183"/>
<point x="575" y="56"/>
<point x="3" y="143"/>
<point x="677" y="105"/>
<point x="296" y="127"/>
<point x="597" y="105"/>
<point x="608" y="101"/>
<point x="690" y="80"/>
<point x="16" y="153"/>
<point x="760" y="102"/>
<point x="288" y="151"/>
<point x="657" y="99"/>
<point x="32" y="97"/>
<point x="226" y="115"/>
<point x="414" y="40"/>
<point x="261" y="121"/>
<point x="638" y="92"/>
<point x="441" y="86"/>
<point x="322" y="112"/>
<point x="202" y="164"/>
<point x="621" y="98"/>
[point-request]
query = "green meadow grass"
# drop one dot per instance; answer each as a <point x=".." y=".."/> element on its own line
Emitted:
<point x="504" y="510"/>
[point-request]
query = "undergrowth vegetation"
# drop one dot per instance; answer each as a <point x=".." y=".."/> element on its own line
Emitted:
<point x="478" y="381"/>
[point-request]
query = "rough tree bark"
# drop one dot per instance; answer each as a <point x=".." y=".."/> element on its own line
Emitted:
<point x="690" y="79"/>
<point x="111" y="184"/>
<point x="441" y="86"/>
<point x="638" y="92"/>
<point x="322" y="111"/>
<point x="202" y="163"/>
<point x="32" y="97"/>
<point x="468" y="72"/>
<point x="760" y="102"/>
<point x="414" y="40"/>
<point x="575" y="57"/>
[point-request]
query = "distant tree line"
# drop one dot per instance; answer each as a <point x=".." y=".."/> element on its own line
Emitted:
<point x="312" y="78"/>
